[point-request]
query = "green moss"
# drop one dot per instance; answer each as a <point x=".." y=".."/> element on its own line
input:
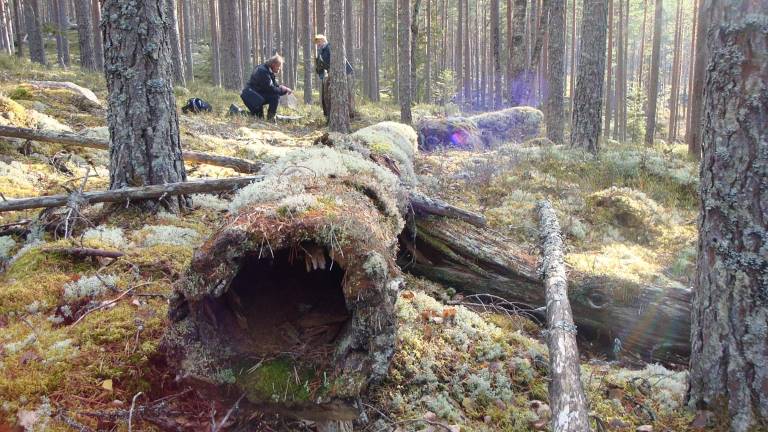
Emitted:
<point x="20" y="93"/>
<point x="278" y="380"/>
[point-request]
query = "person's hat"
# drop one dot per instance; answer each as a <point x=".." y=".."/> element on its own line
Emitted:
<point x="320" y="38"/>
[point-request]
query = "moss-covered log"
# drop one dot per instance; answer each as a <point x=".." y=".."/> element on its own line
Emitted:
<point x="291" y="300"/>
<point x="651" y="322"/>
<point x="486" y="130"/>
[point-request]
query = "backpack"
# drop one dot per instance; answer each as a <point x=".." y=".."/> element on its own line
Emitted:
<point x="196" y="105"/>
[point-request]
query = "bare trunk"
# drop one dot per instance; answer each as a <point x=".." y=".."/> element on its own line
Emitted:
<point x="6" y="29"/>
<point x="32" y="18"/>
<point x="62" y="43"/>
<point x="187" y="41"/>
<point x="519" y="62"/>
<point x="700" y="60"/>
<point x="98" y="39"/>
<point x="307" y="44"/>
<point x="609" y="73"/>
<point x="573" y="57"/>
<point x="730" y="306"/>
<point x="496" y="54"/>
<point x="653" y="82"/>
<point x="177" y="61"/>
<point x="459" y="56"/>
<point x="231" y="58"/>
<point x="339" y="90"/>
<point x="556" y="78"/>
<point x="143" y="126"/>
<point x="430" y="55"/>
<point x="18" y="28"/>
<point x="215" y="52"/>
<point x="589" y="85"/>
<point x="675" y="91"/>
<point x="642" y="46"/>
<point x="404" y="55"/>
<point x="85" y="35"/>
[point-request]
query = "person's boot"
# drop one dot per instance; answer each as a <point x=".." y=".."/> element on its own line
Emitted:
<point x="271" y="118"/>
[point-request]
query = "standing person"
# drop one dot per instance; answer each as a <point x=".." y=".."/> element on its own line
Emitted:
<point x="323" y="67"/>
<point x="263" y="89"/>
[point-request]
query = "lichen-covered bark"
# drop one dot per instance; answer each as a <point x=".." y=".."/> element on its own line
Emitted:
<point x="730" y="307"/>
<point x="556" y="47"/>
<point x="32" y="19"/>
<point x="143" y="124"/>
<point x="587" y="103"/>
<point x="566" y="394"/>
<point x="85" y="34"/>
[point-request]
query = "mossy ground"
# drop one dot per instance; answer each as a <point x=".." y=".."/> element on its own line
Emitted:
<point x="480" y="372"/>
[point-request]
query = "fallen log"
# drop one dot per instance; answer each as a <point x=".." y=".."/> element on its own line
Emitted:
<point x="86" y="252"/>
<point x="649" y="321"/>
<point x="83" y="92"/>
<point x="566" y="394"/>
<point x="69" y="138"/>
<point x="291" y="300"/>
<point x="481" y="131"/>
<point x="131" y="194"/>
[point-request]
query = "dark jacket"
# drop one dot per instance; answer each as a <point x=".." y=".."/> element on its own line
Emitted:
<point x="323" y="61"/>
<point x="263" y="81"/>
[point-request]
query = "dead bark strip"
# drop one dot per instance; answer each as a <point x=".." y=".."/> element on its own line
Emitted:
<point x="566" y="394"/>
<point x="68" y="138"/>
<point x="131" y="194"/>
<point x="648" y="321"/>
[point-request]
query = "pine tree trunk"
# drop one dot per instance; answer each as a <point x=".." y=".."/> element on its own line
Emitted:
<point x="231" y="58"/>
<point x="609" y="73"/>
<point x="348" y="32"/>
<point x="85" y="34"/>
<point x="496" y="54"/>
<point x="700" y="59"/>
<point x="653" y="82"/>
<point x="307" y="35"/>
<point x="188" y="63"/>
<point x="691" y="75"/>
<point x="177" y="61"/>
<point x="458" y="63"/>
<point x="245" y="37"/>
<point x="516" y="85"/>
<point x="430" y="55"/>
<point x="642" y="46"/>
<point x="508" y="72"/>
<point x="404" y="55"/>
<point x="32" y="18"/>
<point x="556" y="78"/>
<point x="143" y="126"/>
<point x="589" y="84"/>
<point x="62" y="43"/>
<point x="730" y="304"/>
<point x="414" y="26"/>
<point x="623" y="77"/>
<point x="377" y="54"/>
<point x="215" y="53"/>
<point x="98" y="40"/>
<point x="339" y="111"/>
<point x="320" y="16"/>
<point x="17" y="26"/>
<point x="573" y="57"/>
<point x="467" y="58"/>
<point x="675" y="93"/>
<point x="6" y="30"/>
<point x="618" y="101"/>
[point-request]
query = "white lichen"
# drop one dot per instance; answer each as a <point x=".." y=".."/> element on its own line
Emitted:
<point x="154" y="235"/>
<point x="7" y="243"/>
<point x="111" y="236"/>
<point x="88" y="287"/>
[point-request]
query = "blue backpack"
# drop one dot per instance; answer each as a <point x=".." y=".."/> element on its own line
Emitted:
<point x="196" y="105"/>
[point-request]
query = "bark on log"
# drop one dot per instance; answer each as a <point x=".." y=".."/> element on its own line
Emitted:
<point x="652" y="322"/>
<point x="566" y="394"/>
<point x="131" y="194"/>
<point x="486" y="130"/>
<point x="68" y="138"/>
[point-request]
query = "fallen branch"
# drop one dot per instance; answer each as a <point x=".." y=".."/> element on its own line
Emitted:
<point x="426" y="205"/>
<point x="566" y="394"/>
<point x="133" y="193"/>
<point x="69" y="138"/>
<point x="86" y="252"/>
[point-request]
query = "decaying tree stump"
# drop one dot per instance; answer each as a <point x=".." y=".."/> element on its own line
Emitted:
<point x="566" y="394"/>
<point x="291" y="300"/>
<point x="649" y="321"/>
<point x="486" y="130"/>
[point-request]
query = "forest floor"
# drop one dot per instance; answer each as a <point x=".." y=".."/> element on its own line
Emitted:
<point x="630" y="211"/>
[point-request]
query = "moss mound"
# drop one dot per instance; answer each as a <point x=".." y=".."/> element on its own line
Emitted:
<point x="637" y="216"/>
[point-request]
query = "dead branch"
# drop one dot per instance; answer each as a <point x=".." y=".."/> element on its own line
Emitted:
<point x="566" y="394"/>
<point x="69" y="138"/>
<point x="86" y="252"/>
<point x="423" y="204"/>
<point x="133" y="193"/>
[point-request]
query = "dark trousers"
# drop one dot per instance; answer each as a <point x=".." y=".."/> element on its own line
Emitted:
<point x="255" y="102"/>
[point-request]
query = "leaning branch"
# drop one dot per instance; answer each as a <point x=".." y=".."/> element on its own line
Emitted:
<point x="69" y="138"/>
<point x="423" y="204"/>
<point x="566" y="394"/>
<point x="133" y="193"/>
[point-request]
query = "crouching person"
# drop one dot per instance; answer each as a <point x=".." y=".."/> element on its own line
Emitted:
<point x="263" y="89"/>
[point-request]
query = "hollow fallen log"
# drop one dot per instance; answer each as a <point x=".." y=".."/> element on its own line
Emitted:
<point x="291" y="300"/>
<point x="131" y="194"/>
<point x="481" y="131"/>
<point x="652" y="322"/>
<point x="566" y="394"/>
<point x="68" y="138"/>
